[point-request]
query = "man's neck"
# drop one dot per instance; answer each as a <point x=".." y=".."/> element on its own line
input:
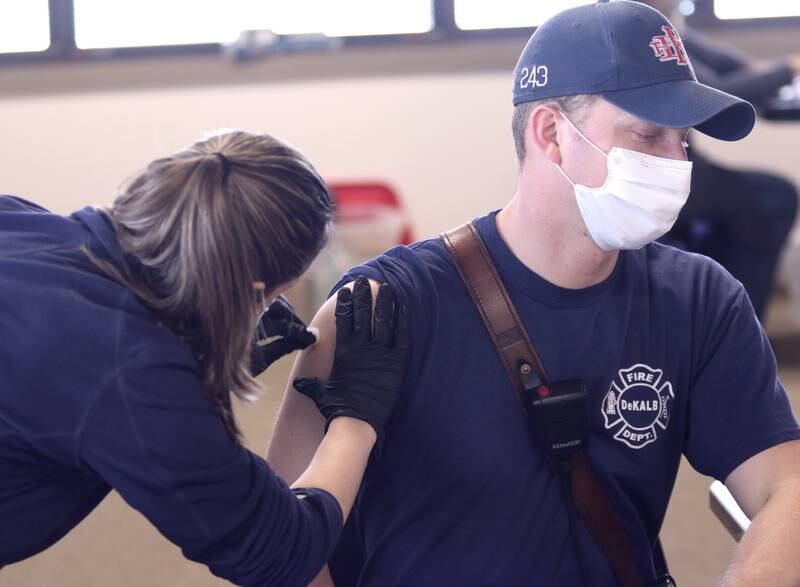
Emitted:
<point x="566" y="257"/>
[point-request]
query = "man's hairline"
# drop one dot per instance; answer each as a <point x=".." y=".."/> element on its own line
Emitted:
<point x="593" y="99"/>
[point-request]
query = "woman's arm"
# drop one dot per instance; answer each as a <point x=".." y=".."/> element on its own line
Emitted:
<point x="155" y="437"/>
<point x="339" y="463"/>
<point x="300" y="427"/>
<point x="299" y="430"/>
<point x="369" y="362"/>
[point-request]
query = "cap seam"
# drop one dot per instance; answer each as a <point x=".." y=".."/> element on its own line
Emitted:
<point x="612" y="41"/>
<point x="651" y="83"/>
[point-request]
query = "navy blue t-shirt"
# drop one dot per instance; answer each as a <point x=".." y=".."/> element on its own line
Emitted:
<point x="674" y="361"/>
<point x="95" y="395"/>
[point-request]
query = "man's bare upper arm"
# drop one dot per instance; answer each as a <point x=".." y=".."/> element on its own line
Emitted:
<point x="300" y="427"/>
<point x="756" y="479"/>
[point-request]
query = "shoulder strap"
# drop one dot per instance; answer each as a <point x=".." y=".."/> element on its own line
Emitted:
<point x="490" y="296"/>
<point x="516" y="351"/>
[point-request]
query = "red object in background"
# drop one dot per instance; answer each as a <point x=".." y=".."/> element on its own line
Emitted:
<point x="359" y="197"/>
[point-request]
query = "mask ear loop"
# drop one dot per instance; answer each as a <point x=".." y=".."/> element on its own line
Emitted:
<point x="564" y="173"/>
<point x="261" y="331"/>
<point x="585" y="138"/>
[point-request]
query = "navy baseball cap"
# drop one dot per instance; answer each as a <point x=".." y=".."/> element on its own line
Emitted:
<point x="632" y="56"/>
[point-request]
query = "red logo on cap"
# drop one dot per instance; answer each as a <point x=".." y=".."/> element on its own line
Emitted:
<point x="669" y="47"/>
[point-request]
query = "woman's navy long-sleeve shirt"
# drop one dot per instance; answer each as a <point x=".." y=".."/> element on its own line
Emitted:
<point x="96" y="395"/>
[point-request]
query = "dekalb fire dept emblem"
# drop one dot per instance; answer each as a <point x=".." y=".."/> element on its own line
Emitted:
<point x="637" y="404"/>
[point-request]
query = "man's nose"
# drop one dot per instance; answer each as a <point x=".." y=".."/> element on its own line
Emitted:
<point x="677" y="146"/>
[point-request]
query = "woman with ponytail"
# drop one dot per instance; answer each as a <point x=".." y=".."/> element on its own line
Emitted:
<point x="127" y="330"/>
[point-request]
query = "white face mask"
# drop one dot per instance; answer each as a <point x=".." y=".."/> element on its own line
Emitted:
<point x="639" y="201"/>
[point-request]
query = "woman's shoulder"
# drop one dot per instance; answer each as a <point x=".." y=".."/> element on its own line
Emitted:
<point x="9" y="203"/>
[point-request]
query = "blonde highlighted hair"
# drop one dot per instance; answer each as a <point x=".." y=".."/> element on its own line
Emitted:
<point x="202" y="226"/>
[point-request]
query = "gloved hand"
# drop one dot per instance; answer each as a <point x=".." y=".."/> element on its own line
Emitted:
<point x="369" y="362"/>
<point x="278" y="320"/>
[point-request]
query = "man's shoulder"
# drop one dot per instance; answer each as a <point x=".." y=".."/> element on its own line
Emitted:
<point x="695" y="278"/>
<point x="429" y="253"/>
<point x="673" y="262"/>
<point x="414" y="266"/>
<point x="422" y="277"/>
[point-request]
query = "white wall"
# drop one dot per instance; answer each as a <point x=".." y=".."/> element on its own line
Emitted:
<point x="442" y="140"/>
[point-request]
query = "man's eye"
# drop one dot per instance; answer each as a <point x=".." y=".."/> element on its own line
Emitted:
<point x="645" y="136"/>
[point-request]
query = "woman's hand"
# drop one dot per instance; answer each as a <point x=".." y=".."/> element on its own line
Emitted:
<point x="369" y="361"/>
<point x="279" y="320"/>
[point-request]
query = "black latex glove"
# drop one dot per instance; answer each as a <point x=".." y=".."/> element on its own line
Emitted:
<point x="278" y="320"/>
<point x="370" y="359"/>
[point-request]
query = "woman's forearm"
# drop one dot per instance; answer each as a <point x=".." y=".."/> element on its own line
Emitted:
<point x="339" y="463"/>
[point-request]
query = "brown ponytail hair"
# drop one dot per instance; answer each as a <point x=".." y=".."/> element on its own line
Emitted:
<point x="206" y="223"/>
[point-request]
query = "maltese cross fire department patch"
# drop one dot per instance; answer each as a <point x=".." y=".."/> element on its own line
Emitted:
<point x="638" y="404"/>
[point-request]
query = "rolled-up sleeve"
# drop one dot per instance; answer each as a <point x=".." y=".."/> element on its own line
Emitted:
<point x="155" y="438"/>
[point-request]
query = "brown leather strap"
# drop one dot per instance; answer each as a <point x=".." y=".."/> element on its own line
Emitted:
<point x="597" y="512"/>
<point x="516" y="349"/>
<point x="499" y="314"/>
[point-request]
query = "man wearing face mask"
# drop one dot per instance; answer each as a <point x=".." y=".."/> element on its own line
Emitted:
<point x="665" y="342"/>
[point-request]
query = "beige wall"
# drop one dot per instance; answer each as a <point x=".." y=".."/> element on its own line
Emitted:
<point x="443" y="141"/>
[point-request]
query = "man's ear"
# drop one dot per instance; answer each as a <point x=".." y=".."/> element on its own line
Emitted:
<point x="543" y="132"/>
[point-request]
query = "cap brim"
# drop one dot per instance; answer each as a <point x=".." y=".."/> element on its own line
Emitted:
<point x="688" y="104"/>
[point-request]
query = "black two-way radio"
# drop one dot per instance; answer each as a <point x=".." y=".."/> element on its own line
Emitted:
<point x="558" y="414"/>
